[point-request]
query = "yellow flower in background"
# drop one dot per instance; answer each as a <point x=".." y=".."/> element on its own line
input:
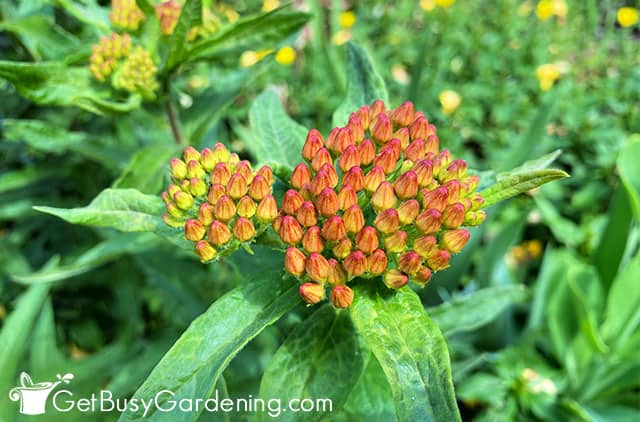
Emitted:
<point x="250" y="58"/>
<point x="269" y="5"/>
<point x="427" y="5"/>
<point x="544" y="9"/>
<point x="547" y="75"/>
<point x="627" y="16"/>
<point x="347" y="19"/>
<point x="445" y="3"/>
<point x="399" y="74"/>
<point x="286" y="56"/>
<point x="341" y="37"/>
<point x="560" y="8"/>
<point x="450" y="101"/>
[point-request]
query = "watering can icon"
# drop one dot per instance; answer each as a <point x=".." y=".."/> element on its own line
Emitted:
<point x="33" y="397"/>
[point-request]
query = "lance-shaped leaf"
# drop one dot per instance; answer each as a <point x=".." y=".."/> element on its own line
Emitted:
<point x="516" y="184"/>
<point x="630" y="174"/>
<point x="190" y="16"/>
<point x="411" y="350"/>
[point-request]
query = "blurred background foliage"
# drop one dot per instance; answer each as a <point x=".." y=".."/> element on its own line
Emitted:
<point x="504" y="81"/>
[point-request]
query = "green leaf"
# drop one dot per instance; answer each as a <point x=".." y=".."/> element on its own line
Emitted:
<point x="195" y="362"/>
<point x="146" y="169"/>
<point x="364" y="84"/>
<point x="565" y="230"/>
<point x="630" y="174"/>
<point x="514" y="184"/>
<point x="41" y="36"/>
<point x="13" y="342"/>
<point x="622" y="314"/>
<point x="21" y="178"/>
<point x="258" y="32"/>
<point x="411" y="350"/>
<point x="53" y="83"/>
<point x="190" y="16"/>
<point x="319" y="359"/>
<point x="539" y="163"/>
<point x="88" y="12"/>
<point x="277" y="138"/>
<point x="473" y="310"/>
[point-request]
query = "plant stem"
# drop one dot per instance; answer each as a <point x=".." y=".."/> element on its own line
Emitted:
<point x="173" y="122"/>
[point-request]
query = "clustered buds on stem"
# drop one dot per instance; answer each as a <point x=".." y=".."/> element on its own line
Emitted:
<point x="168" y="13"/>
<point x="105" y="54"/>
<point x="375" y="198"/>
<point x="218" y="200"/>
<point x="138" y="73"/>
<point x="126" y="14"/>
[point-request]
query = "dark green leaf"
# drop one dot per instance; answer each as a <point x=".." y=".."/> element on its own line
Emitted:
<point x="630" y="174"/>
<point x="190" y="16"/>
<point x="146" y="169"/>
<point x="622" y="314"/>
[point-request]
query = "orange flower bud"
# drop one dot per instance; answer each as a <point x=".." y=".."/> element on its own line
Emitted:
<point x="216" y="190"/>
<point x="474" y="218"/>
<point x="219" y="233"/>
<point x="336" y="275"/>
<point x="347" y="197"/>
<point x="321" y="158"/>
<point x="349" y="158"/>
<point x="456" y="170"/>
<point x="387" y="221"/>
<point x="267" y="209"/>
<point x="191" y="154"/>
<point x="221" y="174"/>
<point x="408" y="211"/>
<point x="195" y="170"/>
<point x="237" y="186"/>
<point x="194" y="230"/>
<point x="439" y="260"/>
<point x="431" y="144"/>
<point x="396" y="242"/>
<point x="267" y="173"/>
<point x="402" y="135"/>
<point x="207" y="159"/>
<point x="300" y="175"/>
<point x="366" y="152"/>
<point x="429" y="221"/>
<point x="259" y="188"/>
<point x="367" y="240"/>
<point x="436" y="198"/>
<point x="243" y="229"/>
<point x="453" y="215"/>
<point x="290" y="230"/>
<point x="341" y="296"/>
<point x="334" y="229"/>
<point x="363" y="114"/>
<point x="395" y="279"/>
<point x="206" y="213"/>
<point x="197" y="187"/>
<point x="419" y="128"/>
<point x="320" y="182"/>
<point x="306" y="214"/>
<point x="406" y="186"/>
<point x="225" y="208"/>
<point x="376" y="108"/>
<point x="354" y="178"/>
<point x="343" y="139"/>
<point x="294" y="261"/>
<point x="386" y="160"/>
<point x="425" y="246"/>
<point x="454" y="240"/>
<point x="355" y="264"/>
<point x="246" y="207"/>
<point x="244" y="168"/>
<point x="205" y="251"/>
<point x="404" y="114"/>
<point x="424" y="171"/>
<point x="423" y="276"/>
<point x="342" y="248"/>
<point x="220" y="153"/>
<point x="353" y="219"/>
<point x="377" y="262"/>
<point x="382" y="128"/>
<point x="183" y="200"/>
<point x="384" y="197"/>
<point x="306" y="193"/>
<point x="291" y="202"/>
<point x="472" y="183"/>
<point x="453" y="187"/>
<point x="356" y="128"/>
<point x="317" y="267"/>
<point x="178" y="169"/>
<point x="312" y="145"/>
<point x="312" y="241"/>
<point x="277" y="223"/>
<point x="415" y="150"/>
<point x="327" y="202"/>
<point x="476" y="201"/>
<point x="409" y="262"/>
<point x="311" y="293"/>
<point x="373" y="179"/>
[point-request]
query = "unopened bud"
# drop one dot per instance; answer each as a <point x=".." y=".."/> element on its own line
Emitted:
<point x="439" y="260"/>
<point x="382" y="128"/>
<point x="334" y="229"/>
<point x="387" y="221"/>
<point x="306" y="214"/>
<point x="409" y="262"/>
<point x="356" y="128"/>
<point x="320" y="181"/>
<point x="327" y="202"/>
<point x="408" y="211"/>
<point x="355" y="264"/>
<point x="267" y="209"/>
<point x="453" y="215"/>
<point x="243" y="229"/>
<point x="174" y="211"/>
<point x="290" y="230"/>
<point x="363" y="115"/>
<point x="312" y="241"/>
<point x="294" y="261"/>
<point x="395" y="146"/>
<point x="216" y="191"/>
<point x="343" y="139"/>
<point x="205" y="251"/>
<point x="453" y="187"/>
<point x="207" y="159"/>
<point x="406" y="186"/>
<point x="300" y="175"/>
<point x="366" y="152"/>
<point x="404" y="114"/>
<point x="178" y="169"/>
<point x="353" y="219"/>
<point x="219" y="233"/>
<point x="197" y="187"/>
<point x="424" y="170"/>
<point x="194" y="230"/>
<point x="244" y="168"/>
<point x="402" y="135"/>
<point x="195" y="170"/>
<point x="377" y="262"/>
<point x="237" y="186"/>
<point x="259" y="188"/>
<point x="191" y="154"/>
<point x="354" y="178"/>
<point x="415" y="150"/>
<point x="349" y="158"/>
<point x="342" y="248"/>
<point x="476" y="201"/>
<point x="431" y="144"/>
<point x="386" y="160"/>
<point x="206" y="213"/>
<point x="225" y="208"/>
<point x="291" y="202"/>
<point x="425" y="246"/>
<point x="474" y="218"/>
<point x="331" y="173"/>
<point x="312" y="145"/>
<point x="429" y="221"/>
<point x="373" y="179"/>
<point x="418" y="128"/>
<point x="221" y="174"/>
<point x="321" y="158"/>
<point x="396" y="242"/>
<point x="395" y="279"/>
<point x="317" y="267"/>
<point x="376" y="108"/>
<point x="454" y="240"/>
<point x="311" y="293"/>
<point x="436" y="198"/>
<point x="183" y="200"/>
<point x="384" y="197"/>
<point x="367" y="240"/>
<point x="336" y="275"/>
<point x="341" y="296"/>
<point x="423" y="276"/>
<point x="267" y="173"/>
<point x="347" y="197"/>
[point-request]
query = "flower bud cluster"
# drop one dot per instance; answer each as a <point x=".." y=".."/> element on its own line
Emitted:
<point x="126" y="14"/>
<point x="138" y="73"/>
<point x="168" y="13"/>
<point x="377" y="197"/>
<point x="105" y="55"/>
<point x="218" y="200"/>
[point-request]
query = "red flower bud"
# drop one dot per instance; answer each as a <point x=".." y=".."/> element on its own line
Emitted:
<point x="395" y="279"/>
<point x="425" y="246"/>
<point x="354" y="178"/>
<point x="311" y="293"/>
<point x="327" y="202"/>
<point x="454" y="240"/>
<point x="436" y="198"/>
<point x="377" y="262"/>
<point x="382" y="128"/>
<point x="246" y="207"/>
<point x="291" y="202"/>
<point x="439" y="260"/>
<point x="347" y="197"/>
<point x="376" y="108"/>
<point x="349" y="158"/>
<point x="404" y="114"/>
<point x="474" y="218"/>
<point x="259" y="188"/>
<point x="408" y="211"/>
<point x="312" y="240"/>
<point x="219" y="233"/>
<point x="221" y="174"/>
<point x="294" y="261"/>
<point x="183" y="200"/>
<point x="331" y="173"/>
<point x="409" y="262"/>
<point x="341" y="296"/>
<point x="267" y="209"/>
<point x="431" y="144"/>
<point x="367" y="240"/>
<point x="356" y="128"/>
<point x="300" y="175"/>
<point x="237" y="186"/>
<point x="429" y="221"/>
<point x="453" y="215"/>
<point x="205" y="251"/>
<point x="387" y="221"/>
<point x="424" y="171"/>
<point x="384" y="197"/>
<point x="334" y="229"/>
<point x="363" y="114"/>
<point x="395" y="146"/>
<point x="453" y="187"/>
<point x="373" y="179"/>
<point x="336" y="275"/>
<point x="290" y="230"/>
<point x="396" y="242"/>
<point x="342" y="248"/>
<point x="355" y="264"/>
<point x="386" y="160"/>
<point x="419" y="128"/>
<point x="423" y="276"/>
<point x="312" y="145"/>
<point x="178" y="169"/>
<point x="321" y="158"/>
<point x="353" y="219"/>
<point x="406" y="186"/>
<point x="456" y="170"/>
<point x="306" y="214"/>
<point x="317" y="267"/>
<point x="243" y="229"/>
<point x="206" y="213"/>
<point x="415" y="150"/>
<point x="225" y="208"/>
<point x="194" y="230"/>
<point x="343" y="139"/>
<point x="367" y="152"/>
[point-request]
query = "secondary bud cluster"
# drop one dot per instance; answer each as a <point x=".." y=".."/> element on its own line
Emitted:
<point x="138" y="73"/>
<point x="375" y="198"/>
<point x="168" y="13"/>
<point x="105" y="54"/>
<point x="126" y="14"/>
<point x="218" y="200"/>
